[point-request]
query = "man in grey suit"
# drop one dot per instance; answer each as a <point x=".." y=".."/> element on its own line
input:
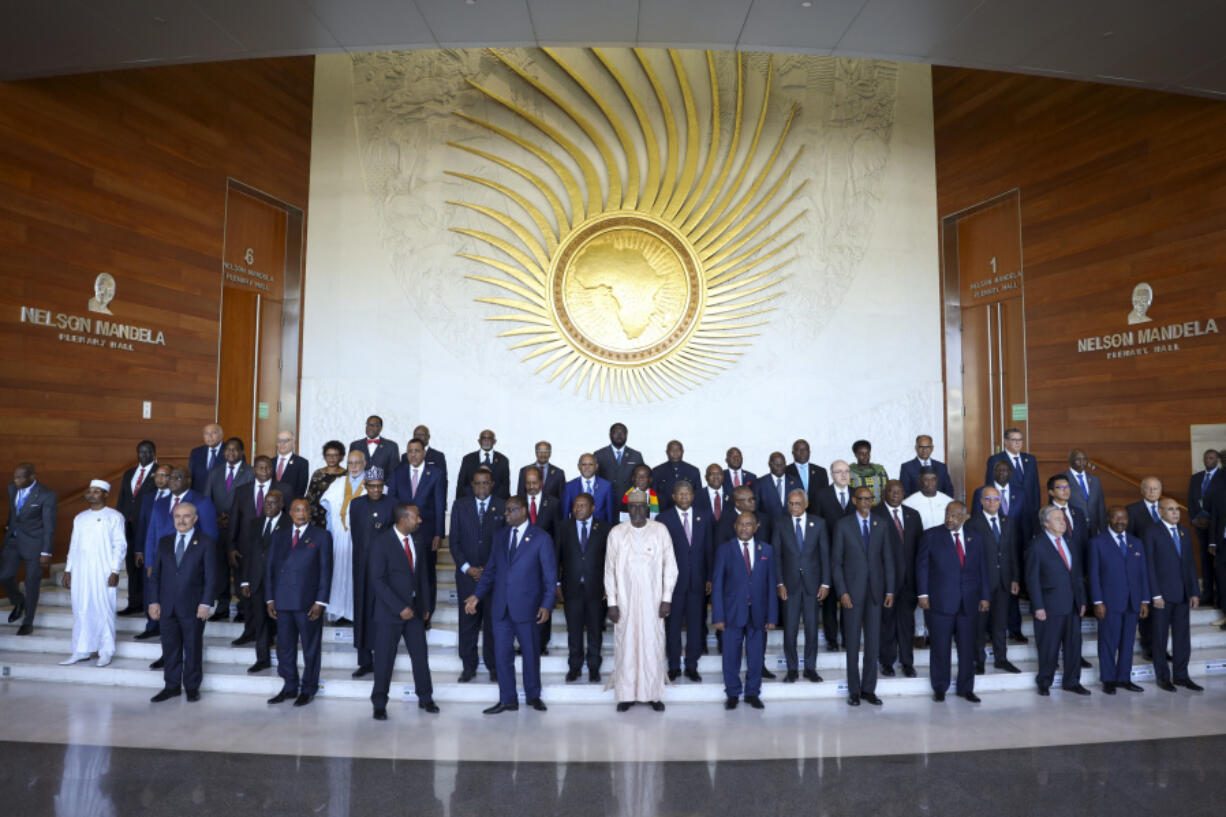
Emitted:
<point x="999" y="536"/>
<point x="28" y="537"/>
<point x="224" y="482"/>
<point x="616" y="462"/>
<point x="803" y="551"/>
<point x="1087" y="492"/>
<point x="862" y="565"/>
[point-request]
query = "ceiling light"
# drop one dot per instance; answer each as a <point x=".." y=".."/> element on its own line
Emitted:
<point x="806" y="4"/>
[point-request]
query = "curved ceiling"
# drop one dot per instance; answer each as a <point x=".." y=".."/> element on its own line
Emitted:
<point x="1173" y="45"/>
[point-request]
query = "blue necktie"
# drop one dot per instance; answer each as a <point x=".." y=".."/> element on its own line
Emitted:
<point x="1123" y="544"/>
<point x="800" y="534"/>
<point x="21" y="497"/>
<point x="1175" y="536"/>
<point x="864" y="532"/>
<point x="1204" y="484"/>
<point x="619" y="457"/>
<point x="180" y="547"/>
<point x="514" y="536"/>
<point x="1017" y="464"/>
<point x="1082" y="479"/>
<point x="1153" y="511"/>
<point x="583" y="538"/>
<point x="803" y="471"/>
<point x="995" y="529"/>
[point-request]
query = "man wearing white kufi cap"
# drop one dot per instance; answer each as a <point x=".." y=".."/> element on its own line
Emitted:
<point x="96" y="554"/>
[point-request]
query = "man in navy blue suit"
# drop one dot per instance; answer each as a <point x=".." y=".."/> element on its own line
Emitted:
<point x="485" y="457"/>
<point x="908" y="472"/>
<point x="813" y="478"/>
<point x="803" y="550"/>
<point x="289" y="468"/>
<point x="553" y="478"/>
<point x="951" y="580"/>
<point x="600" y="489"/>
<point x="998" y="535"/>
<point x="744" y="605"/>
<point x="1201" y="488"/>
<point x="402" y="607"/>
<point x="298" y="583"/>
<point x="1119" y="589"/>
<point x="521" y="580"/>
<point x="474" y="521"/>
<point x="204" y="458"/>
<point x="1058" y="598"/>
<point x="713" y="497"/>
<point x="1025" y="468"/>
<point x="434" y="457"/>
<point x="667" y="473"/>
<point x="1087" y="491"/>
<point x="772" y="489"/>
<point x="1023" y="517"/>
<point x="734" y="475"/>
<point x="180" y="591"/>
<point x="1172" y="581"/>
<point x="691" y="530"/>
<point x="418" y="483"/>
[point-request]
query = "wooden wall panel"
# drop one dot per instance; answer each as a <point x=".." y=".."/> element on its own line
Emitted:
<point x="125" y="172"/>
<point x="1118" y="186"/>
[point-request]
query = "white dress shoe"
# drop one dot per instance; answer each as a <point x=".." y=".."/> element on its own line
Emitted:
<point x="103" y="660"/>
<point x="75" y="658"/>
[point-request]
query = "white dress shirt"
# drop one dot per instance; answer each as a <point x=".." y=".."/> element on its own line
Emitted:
<point x="931" y="508"/>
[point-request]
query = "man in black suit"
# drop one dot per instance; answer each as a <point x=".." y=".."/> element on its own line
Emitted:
<point x="255" y="544"/>
<point x="424" y="486"/>
<point x="289" y="468"/>
<point x="434" y="457"/>
<point x="485" y="457"/>
<point x="379" y="451"/>
<point x="137" y="483"/>
<point x="1076" y="527"/>
<point x="544" y="511"/>
<point x="370" y="515"/>
<point x="833" y="503"/>
<point x="1172" y="581"/>
<point x="1025" y="468"/>
<point x="1217" y="544"/>
<point x="1201" y="489"/>
<point x="402" y="607"/>
<point x="998" y="534"/>
<point x="1087" y="491"/>
<point x="690" y="530"/>
<point x="772" y="489"/>
<point x="615" y="463"/>
<point x="474" y="520"/>
<point x="1058" y="599"/>
<point x="553" y="478"/>
<point x="734" y="475"/>
<point x="581" y="543"/>
<point x="715" y="496"/>
<point x="812" y="476"/>
<point x="180" y="589"/>
<point x="29" y="537"/>
<point x="743" y="500"/>
<point x="248" y="505"/>
<point x="908" y="472"/>
<point x="665" y="475"/>
<point x="903" y="529"/>
<point x="204" y="458"/>
<point x="802" y="549"/>
<point x="862" y="566"/>
<point x="1141" y="515"/>
<point x="224" y="484"/>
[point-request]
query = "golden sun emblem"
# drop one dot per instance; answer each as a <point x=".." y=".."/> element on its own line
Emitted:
<point x="642" y="290"/>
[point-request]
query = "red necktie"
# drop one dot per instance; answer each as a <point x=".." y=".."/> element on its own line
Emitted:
<point x="294" y="543"/>
<point x="748" y="564"/>
<point x="408" y="551"/>
<point x="1068" y="523"/>
<point x="898" y="523"/>
<point x="280" y="468"/>
<point x="961" y="553"/>
<point x="1063" y="555"/>
<point x="719" y="506"/>
<point x="174" y="505"/>
<point x="140" y="477"/>
<point x="736" y="479"/>
<point x="532" y="509"/>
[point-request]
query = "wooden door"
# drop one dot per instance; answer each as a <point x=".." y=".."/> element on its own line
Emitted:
<point x="236" y="376"/>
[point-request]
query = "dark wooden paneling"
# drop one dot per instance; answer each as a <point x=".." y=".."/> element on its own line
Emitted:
<point x="125" y="172"/>
<point x="1118" y="186"/>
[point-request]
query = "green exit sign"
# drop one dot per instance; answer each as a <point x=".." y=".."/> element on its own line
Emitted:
<point x="1019" y="411"/>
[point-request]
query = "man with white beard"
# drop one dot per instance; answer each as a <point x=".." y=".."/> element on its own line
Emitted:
<point x="96" y="554"/>
<point x="335" y="502"/>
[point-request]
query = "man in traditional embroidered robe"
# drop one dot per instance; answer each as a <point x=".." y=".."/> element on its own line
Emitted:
<point x="335" y="503"/>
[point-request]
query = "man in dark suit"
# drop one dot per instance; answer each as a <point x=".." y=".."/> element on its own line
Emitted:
<point x="553" y="478"/>
<point x="224" y="483"/>
<point x="908" y="472"/>
<point x="161" y="490"/>
<point x="1025" y="468"/>
<point x="255" y="544"/>
<point x="1058" y="599"/>
<point x="204" y="458"/>
<point x="862" y="566"/>
<point x="715" y="496"/>
<point x="665" y="475"/>
<point x="998" y="535"/>
<point x="434" y="457"/>
<point x="903" y="527"/>
<point x="247" y="506"/>
<point x="298" y="583"/>
<point x="29" y="536"/>
<point x="136" y="484"/>
<point x="1087" y="491"/>
<point x="520" y="580"/>
<point x="1141" y="515"/>
<point x="744" y="606"/>
<point x="485" y="457"/>
<point x="581" y="541"/>
<point x="812" y="477"/>
<point x="379" y="451"/>
<point x="833" y="503"/>
<point x="544" y="511"/>
<point x="803" y="553"/>
<point x="418" y="483"/>
<point x="1076" y="527"/>
<point x="772" y="489"/>
<point x="1013" y="506"/>
<point x="289" y="468"/>
<point x="474" y="520"/>
<point x="690" y="531"/>
<point x="1172" y="581"/>
<point x="1201" y="489"/>
<point x="1217" y="544"/>
<point x="734" y="475"/>
<point x="181" y="586"/>
<point x="951" y="577"/>
<point x="615" y="464"/>
<point x="1119" y="588"/>
<point x="401" y="609"/>
<point x="743" y="501"/>
<point x="370" y="515"/>
<point x="161" y="520"/>
<point x="601" y="490"/>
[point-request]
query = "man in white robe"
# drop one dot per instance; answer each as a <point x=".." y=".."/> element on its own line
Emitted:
<point x="96" y="554"/>
<point x="639" y="574"/>
<point x="335" y="503"/>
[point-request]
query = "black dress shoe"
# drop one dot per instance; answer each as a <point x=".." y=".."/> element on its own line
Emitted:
<point x="979" y="669"/>
<point x="537" y="704"/>
<point x="767" y="674"/>
<point x="594" y="676"/>
<point x="158" y="664"/>
<point x="428" y="706"/>
<point x="259" y="666"/>
<point x="908" y="670"/>
<point x="239" y="618"/>
<point x="693" y="675"/>
<point x="361" y="672"/>
<point x="791" y="677"/>
<point x="1189" y="685"/>
<point x="871" y="698"/>
<point x="493" y="677"/>
<point x="1018" y="638"/>
<point x="193" y="695"/>
<point x="166" y="695"/>
<point x="130" y="611"/>
<point x="656" y="706"/>
<point x="342" y="622"/>
<point x="887" y="671"/>
<point x="755" y="702"/>
<point x="573" y="675"/>
<point x="730" y="702"/>
<point x="938" y="695"/>
<point x="1006" y="666"/>
<point x="853" y="700"/>
<point x="1086" y="664"/>
<point x="811" y="674"/>
<point x="1108" y="688"/>
<point x="19" y="610"/>
<point x="969" y="696"/>
<point x="1166" y="685"/>
<point x="544" y="651"/>
<point x="1147" y="655"/>
<point x="1044" y="692"/>
<point x="380" y="713"/>
<point x="500" y="707"/>
<point x="1077" y="690"/>
<point x="25" y="629"/>
<point x="281" y="697"/>
<point x="241" y="640"/>
<point x="220" y="615"/>
<point x="304" y="699"/>
<point x="1130" y="686"/>
<point x="146" y="635"/>
<point x="674" y="674"/>
<point x="624" y="706"/>
<point x="466" y="676"/>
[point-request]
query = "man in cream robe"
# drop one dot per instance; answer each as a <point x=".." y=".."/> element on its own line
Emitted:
<point x="639" y="573"/>
<point x="335" y="503"/>
<point x="96" y="554"/>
